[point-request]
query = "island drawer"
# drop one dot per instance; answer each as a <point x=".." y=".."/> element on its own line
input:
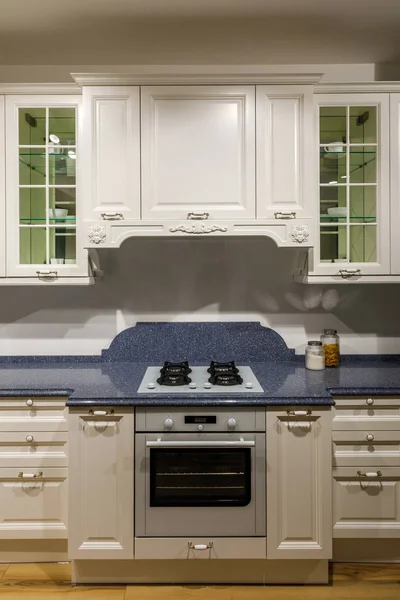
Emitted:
<point x="361" y="413"/>
<point x="368" y="448"/>
<point x="37" y="449"/>
<point x="33" y="503"/>
<point x="198" y="548"/>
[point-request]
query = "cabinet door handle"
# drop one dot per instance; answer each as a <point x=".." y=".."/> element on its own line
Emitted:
<point x="198" y="215"/>
<point x="37" y="475"/>
<point x="110" y="216"/>
<point x="29" y="439"/>
<point x="344" y="273"/>
<point x="369" y="401"/>
<point x="208" y="546"/>
<point x="29" y="402"/>
<point x="370" y="474"/>
<point x="101" y="413"/>
<point x="299" y="413"/>
<point x="285" y="215"/>
<point x="370" y="437"/>
<point x="51" y="273"/>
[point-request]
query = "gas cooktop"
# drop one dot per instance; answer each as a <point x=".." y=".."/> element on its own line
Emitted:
<point x="215" y="378"/>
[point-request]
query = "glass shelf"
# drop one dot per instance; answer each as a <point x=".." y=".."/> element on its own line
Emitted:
<point x="332" y="218"/>
<point x="329" y="152"/>
<point x="43" y="219"/>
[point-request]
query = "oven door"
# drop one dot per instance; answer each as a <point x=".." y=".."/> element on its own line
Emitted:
<point x="200" y="485"/>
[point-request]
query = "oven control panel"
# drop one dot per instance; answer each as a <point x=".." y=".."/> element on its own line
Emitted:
<point x="204" y="418"/>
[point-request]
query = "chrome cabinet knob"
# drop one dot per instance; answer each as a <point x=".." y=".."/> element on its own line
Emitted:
<point x="168" y="423"/>
<point x="232" y="423"/>
<point x="29" y="402"/>
<point x="370" y="401"/>
<point x="200" y="427"/>
<point x="29" y="439"/>
<point x="369" y="437"/>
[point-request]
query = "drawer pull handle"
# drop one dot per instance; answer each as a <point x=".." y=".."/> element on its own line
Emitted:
<point x="370" y="437"/>
<point x="370" y="401"/>
<point x="208" y="546"/>
<point x="29" y="439"/>
<point x="198" y="216"/>
<point x="112" y="216"/>
<point x="346" y="273"/>
<point x="23" y="475"/>
<point x="51" y="274"/>
<point x="370" y="474"/>
<point x="299" y="413"/>
<point x="100" y="413"/>
<point x="288" y="214"/>
<point x="29" y="402"/>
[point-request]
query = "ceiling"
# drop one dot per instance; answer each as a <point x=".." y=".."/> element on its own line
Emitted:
<point x="199" y="31"/>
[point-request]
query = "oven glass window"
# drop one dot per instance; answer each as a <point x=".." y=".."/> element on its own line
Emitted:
<point x="200" y="477"/>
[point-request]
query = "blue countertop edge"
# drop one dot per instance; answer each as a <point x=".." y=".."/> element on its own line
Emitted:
<point x="202" y="401"/>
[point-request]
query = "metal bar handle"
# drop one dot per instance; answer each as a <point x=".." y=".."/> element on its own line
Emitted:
<point x="285" y="215"/>
<point x="299" y="413"/>
<point x="198" y="215"/>
<point x="241" y="443"/>
<point x="50" y="273"/>
<point x="110" y="216"/>
<point x="370" y="474"/>
<point x="349" y="272"/>
<point x="23" y="475"/>
<point x="101" y="413"/>
<point x="208" y="546"/>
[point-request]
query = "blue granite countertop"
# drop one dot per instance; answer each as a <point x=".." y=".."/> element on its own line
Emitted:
<point x="116" y="383"/>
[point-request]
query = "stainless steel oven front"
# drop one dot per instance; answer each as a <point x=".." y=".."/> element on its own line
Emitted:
<point x="200" y="472"/>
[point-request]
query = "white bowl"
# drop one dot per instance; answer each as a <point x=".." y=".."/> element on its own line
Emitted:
<point x="58" y="213"/>
<point x="337" y="211"/>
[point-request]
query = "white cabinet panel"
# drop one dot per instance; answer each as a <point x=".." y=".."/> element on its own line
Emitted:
<point x="395" y="182"/>
<point x="111" y="152"/>
<point x="198" y="153"/>
<point x="33" y="507"/>
<point x="285" y="151"/>
<point x="101" y="485"/>
<point x="366" y="502"/>
<point x="2" y="189"/>
<point x="299" y="521"/>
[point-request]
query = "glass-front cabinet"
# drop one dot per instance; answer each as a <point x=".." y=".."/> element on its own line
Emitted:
<point x="354" y="191"/>
<point x="41" y="187"/>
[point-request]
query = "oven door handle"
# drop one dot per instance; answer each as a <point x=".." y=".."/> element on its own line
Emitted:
<point x="240" y="443"/>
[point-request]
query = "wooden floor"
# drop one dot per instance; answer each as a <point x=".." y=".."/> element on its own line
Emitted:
<point x="51" y="582"/>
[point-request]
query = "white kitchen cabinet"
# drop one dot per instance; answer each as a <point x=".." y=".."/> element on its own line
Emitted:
<point x="101" y="484"/>
<point x="395" y="181"/>
<point x="2" y="189"/>
<point x="354" y="192"/>
<point x="198" y="152"/>
<point x="285" y="152"/>
<point x="299" y="491"/>
<point x="111" y="152"/>
<point x="43" y="206"/>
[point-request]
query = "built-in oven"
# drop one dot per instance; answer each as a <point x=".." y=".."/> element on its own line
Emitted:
<point x="200" y="472"/>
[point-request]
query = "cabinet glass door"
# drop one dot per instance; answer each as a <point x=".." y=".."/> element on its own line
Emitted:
<point x="353" y="185"/>
<point x="47" y="185"/>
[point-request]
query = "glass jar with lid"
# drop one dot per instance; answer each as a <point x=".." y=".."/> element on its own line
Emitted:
<point x="330" y="341"/>
<point x="314" y="356"/>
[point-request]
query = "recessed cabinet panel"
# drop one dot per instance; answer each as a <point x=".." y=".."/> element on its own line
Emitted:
<point x="2" y="190"/>
<point x="395" y="181"/>
<point x="111" y="152"/>
<point x="285" y="165"/>
<point x="198" y="152"/>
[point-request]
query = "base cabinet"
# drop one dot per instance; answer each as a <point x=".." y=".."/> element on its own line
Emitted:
<point x="101" y="484"/>
<point x="299" y="523"/>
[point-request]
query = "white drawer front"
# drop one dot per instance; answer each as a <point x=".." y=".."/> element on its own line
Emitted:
<point x="355" y="413"/>
<point x="36" y="449"/>
<point x="366" y="448"/>
<point x="34" y="413"/>
<point x="366" y="506"/>
<point x="200" y="548"/>
<point x="33" y="508"/>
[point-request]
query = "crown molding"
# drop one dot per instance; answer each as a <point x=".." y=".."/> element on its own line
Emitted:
<point x="357" y="88"/>
<point x="193" y="75"/>
<point x="40" y="88"/>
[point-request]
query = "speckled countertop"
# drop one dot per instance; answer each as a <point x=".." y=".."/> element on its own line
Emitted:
<point x="114" y="377"/>
<point x="117" y="383"/>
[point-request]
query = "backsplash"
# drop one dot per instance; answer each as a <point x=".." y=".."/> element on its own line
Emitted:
<point x="232" y="279"/>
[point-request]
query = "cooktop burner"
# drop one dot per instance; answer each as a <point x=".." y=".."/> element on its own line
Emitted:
<point x="208" y="379"/>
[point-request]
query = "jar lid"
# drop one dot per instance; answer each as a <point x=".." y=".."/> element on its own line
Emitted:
<point x="329" y="331"/>
<point x="314" y="343"/>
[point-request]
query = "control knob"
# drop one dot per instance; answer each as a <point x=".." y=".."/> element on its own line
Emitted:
<point x="200" y="427"/>
<point x="168" y="423"/>
<point x="232" y="423"/>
